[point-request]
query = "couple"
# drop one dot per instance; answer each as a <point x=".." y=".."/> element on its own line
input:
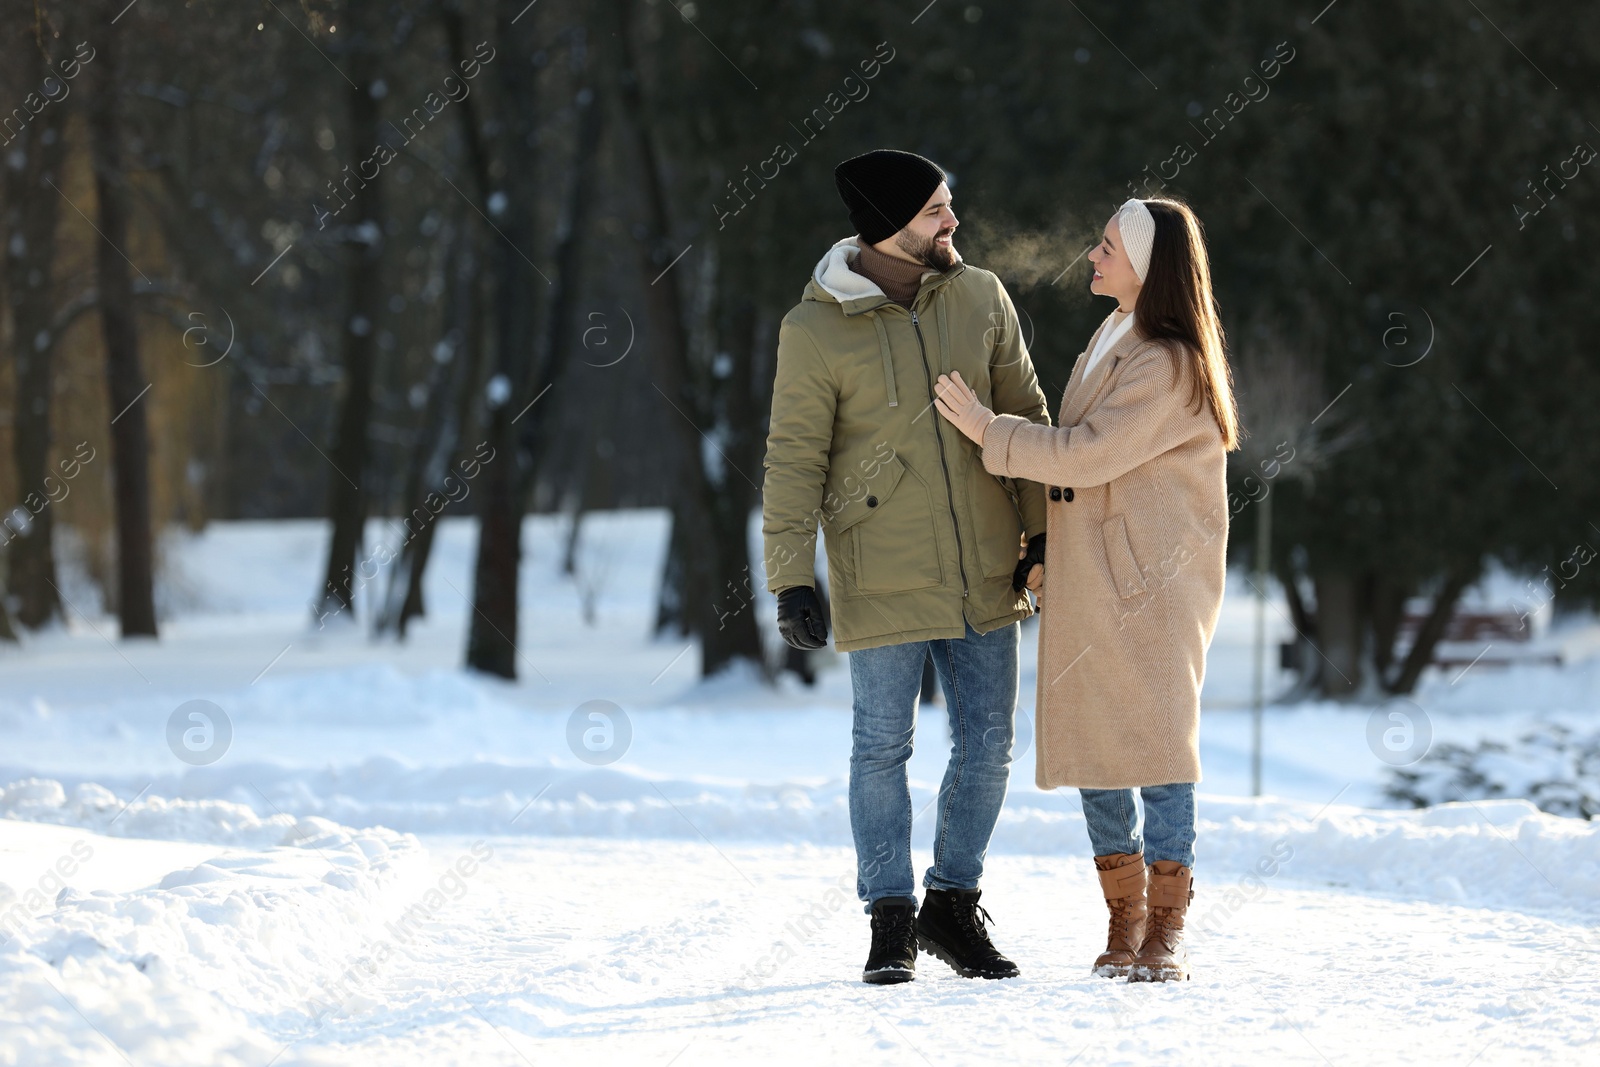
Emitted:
<point x="907" y="421"/>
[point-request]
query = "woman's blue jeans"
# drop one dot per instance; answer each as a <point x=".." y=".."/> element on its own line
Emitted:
<point x="1168" y="830"/>
<point x="978" y="673"/>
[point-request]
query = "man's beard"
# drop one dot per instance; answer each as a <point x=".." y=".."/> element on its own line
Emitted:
<point x="923" y="250"/>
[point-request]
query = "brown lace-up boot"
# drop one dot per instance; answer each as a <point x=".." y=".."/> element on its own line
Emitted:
<point x="1163" y="957"/>
<point x="1122" y="879"/>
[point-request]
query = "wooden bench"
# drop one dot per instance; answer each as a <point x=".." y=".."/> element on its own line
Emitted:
<point x="1481" y="630"/>
<point x="1474" y="626"/>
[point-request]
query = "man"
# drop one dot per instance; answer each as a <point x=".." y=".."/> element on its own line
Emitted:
<point x="922" y="542"/>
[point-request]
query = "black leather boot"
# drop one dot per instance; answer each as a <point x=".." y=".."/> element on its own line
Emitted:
<point x="894" y="942"/>
<point x="950" y="926"/>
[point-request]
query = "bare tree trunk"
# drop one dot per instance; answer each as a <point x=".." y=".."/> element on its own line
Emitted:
<point x="437" y="441"/>
<point x="466" y="285"/>
<point x="347" y="501"/>
<point x="734" y="496"/>
<point x="495" y="620"/>
<point x="561" y="316"/>
<point x="8" y="632"/>
<point x="492" y="633"/>
<point x="32" y="208"/>
<point x="1387" y="603"/>
<point x="672" y="601"/>
<point x="597" y="467"/>
<point x="930" y="682"/>
<point x="1431" y="632"/>
<point x="1304" y="658"/>
<point x="710" y="584"/>
<point x="688" y="599"/>
<point x="1339" y="628"/>
<point x="1299" y="614"/>
<point x="130" y="441"/>
<point x="466" y="425"/>
<point x="468" y="388"/>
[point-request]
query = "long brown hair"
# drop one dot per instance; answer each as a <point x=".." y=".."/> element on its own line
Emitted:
<point x="1176" y="303"/>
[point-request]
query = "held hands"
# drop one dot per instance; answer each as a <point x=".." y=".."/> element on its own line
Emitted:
<point x="1030" y="569"/>
<point x="1030" y="566"/>
<point x="957" y="402"/>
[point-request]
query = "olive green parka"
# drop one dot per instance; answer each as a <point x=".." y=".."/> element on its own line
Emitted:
<point x="920" y="537"/>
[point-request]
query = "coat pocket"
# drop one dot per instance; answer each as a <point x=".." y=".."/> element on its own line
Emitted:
<point x="891" y="537"/>
<point x="1126" y="573"/>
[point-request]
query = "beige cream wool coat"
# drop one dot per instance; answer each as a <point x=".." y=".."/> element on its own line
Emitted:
<point x="1134" y="566"/>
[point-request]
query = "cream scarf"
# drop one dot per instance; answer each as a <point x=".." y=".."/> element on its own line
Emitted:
<point x="1108" y="339"/>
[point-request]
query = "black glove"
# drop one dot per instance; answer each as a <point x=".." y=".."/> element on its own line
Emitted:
<point x="1019" y="577"/>
<point x="800" y="617"/>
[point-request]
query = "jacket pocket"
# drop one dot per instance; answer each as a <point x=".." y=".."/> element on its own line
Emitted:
<point x="997" y="521"/>
<point x="1125" y="571"/>
<point x="890" y="535"/>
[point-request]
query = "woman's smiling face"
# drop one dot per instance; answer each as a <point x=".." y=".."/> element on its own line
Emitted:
<point x="1113" y="273"/>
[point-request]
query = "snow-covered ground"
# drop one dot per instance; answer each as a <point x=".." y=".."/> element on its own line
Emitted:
<point x="363" y="854"/>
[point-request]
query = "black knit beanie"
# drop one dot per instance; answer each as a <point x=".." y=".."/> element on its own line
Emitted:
<point x="884" y="189"/>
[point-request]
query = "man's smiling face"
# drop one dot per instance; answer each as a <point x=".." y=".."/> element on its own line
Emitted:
<point x="929" y="238"/>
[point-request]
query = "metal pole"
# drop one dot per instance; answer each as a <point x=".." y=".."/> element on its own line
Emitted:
<point x="1263" y="553"/>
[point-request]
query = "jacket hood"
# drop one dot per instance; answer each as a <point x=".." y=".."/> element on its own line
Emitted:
<point x="832" y="279"/>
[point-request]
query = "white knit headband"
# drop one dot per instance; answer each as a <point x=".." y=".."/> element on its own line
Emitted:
<point x="1138" y="228"/>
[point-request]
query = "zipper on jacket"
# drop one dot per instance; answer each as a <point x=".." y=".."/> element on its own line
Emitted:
<point x="955" y="522"/>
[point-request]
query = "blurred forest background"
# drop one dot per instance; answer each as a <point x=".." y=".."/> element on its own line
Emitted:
<point x="405" y="258"/>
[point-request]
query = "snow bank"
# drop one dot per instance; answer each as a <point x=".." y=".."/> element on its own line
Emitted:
<point x="1490" y="853"/>
<point x="225" y="962"/>
<point x="1486" y="852"/>
<point x="95" y="807"/>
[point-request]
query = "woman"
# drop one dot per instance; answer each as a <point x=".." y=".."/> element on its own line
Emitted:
<point x="1134" y="564"/>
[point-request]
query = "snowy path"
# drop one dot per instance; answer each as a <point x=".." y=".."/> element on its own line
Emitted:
<point x="654" y="953"/>
<point x="354" y="947"/>
<point x="313" y="896"/>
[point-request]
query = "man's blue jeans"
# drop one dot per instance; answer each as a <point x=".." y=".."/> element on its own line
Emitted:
<point x="978" y="673"/>
<point x="1168" y="831"/>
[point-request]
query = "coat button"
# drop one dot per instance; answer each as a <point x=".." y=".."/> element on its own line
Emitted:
<point x="1066" y="494"/>
<point x="872" y="501"/>
<point x="1055" y="492"/>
